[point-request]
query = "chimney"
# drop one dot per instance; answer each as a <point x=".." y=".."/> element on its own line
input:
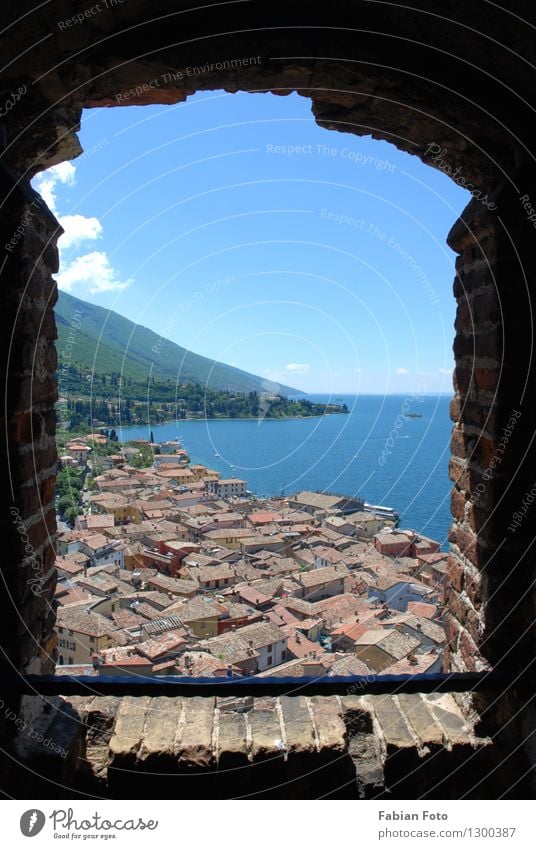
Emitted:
<point x="412" y="660"/>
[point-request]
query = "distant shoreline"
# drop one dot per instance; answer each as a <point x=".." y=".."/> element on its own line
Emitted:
<point x="231" y="419"/>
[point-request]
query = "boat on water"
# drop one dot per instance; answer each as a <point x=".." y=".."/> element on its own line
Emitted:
<point x="383" y="512"/>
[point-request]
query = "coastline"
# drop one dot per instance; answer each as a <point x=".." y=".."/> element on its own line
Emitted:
<point x="231" y="419"/>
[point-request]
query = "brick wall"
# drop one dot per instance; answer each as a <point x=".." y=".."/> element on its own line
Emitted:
<point x="29" y="452"/>
<point x="485" y="131"/>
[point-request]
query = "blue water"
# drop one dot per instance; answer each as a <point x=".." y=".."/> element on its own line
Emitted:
<point x="339" y="453"/>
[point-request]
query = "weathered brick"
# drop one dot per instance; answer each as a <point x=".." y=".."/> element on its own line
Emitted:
<point x="457" y="504"/>
<point x="455" y="408"/>
<point x="487" y="378"/>
<point x="468" y="650"/>
<point x="455" y="573"/>
<point x="458" y="443"/>
<point x="459" y="474"/>
<point x="466" y="542"/>
<point x="486" y="307"/>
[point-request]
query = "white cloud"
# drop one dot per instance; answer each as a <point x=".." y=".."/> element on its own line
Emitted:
<point x="401" y="371"/>
<point x="78" y="229"/>
<point x="445" y="371"/>
<point x="298" y="368"/>
<point x="92" y="273"/>
<point x="47" y="182"/>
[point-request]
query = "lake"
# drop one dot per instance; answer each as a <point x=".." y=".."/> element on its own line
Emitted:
<point x="375" y="452"/>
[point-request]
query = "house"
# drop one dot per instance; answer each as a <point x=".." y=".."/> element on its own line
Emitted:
<point x="98" y="522"/>
<point x="423" y="608"/>
<point x="68" y="594"/>
<point x="319" y="504"/>
<point x="170" y="446"/>
<point x="200" y="615"/>
<point x="119" y="506"/>
<point x="102" y="550"/>
<point x="228" y="537"/>
<point x="432" y="570"/>
<point x="219" y="521"/>
<point x="345" y="637"/>
<point x="394" y="543"/>
<point x="172" y="461"/>
<point x="300" y="647"/>
<point x="341" y="609"/>
<point x="340" y="525"/>
<point x="66" y="461"/>
<point x="322" y="583"/>
<point x="206" y="617"/>
<point x="165" y="562"/>
<point x="198" y="470"/>
<point x="252" y="649"/>
<point x="368" y="524"/>
<point x="425" y="545"/>
<point x="71" y="565"/>
<point x="261" y="518"/>
<point x="81" y="634"/>
<point x="381" y="648"/>
<point x="79" y="452"/>
<point x="431" y="635"/>
<point x="310" y="628"/>
<point x="179" y="549"/>
<point x="349" y="664"/>
<point x="298" y="607"/>
<point x="418" y="664"/>
<point x="224" y="488"/>
<point x="162" y="647"/>
<point x="171" y="587"/>
<point x="325" y="556"/>
<point x="211" y="577"/>
<point x="114" y="664"/>
<point x="252" y="544"/>
<point x="68" y="542"/>
<point x="254" y="597"/>
<point x="396" y="592"/>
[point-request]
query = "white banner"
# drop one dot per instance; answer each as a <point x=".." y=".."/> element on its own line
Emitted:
<point x="221" y="823"/>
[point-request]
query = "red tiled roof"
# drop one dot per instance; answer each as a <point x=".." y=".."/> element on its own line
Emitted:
<point x="421" y="608"/>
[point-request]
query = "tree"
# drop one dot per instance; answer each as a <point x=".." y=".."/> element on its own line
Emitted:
<point x="65" y="503"/>
<point x="72" y="513"/>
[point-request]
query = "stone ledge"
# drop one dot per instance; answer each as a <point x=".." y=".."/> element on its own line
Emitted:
<point x="290" y="742"/>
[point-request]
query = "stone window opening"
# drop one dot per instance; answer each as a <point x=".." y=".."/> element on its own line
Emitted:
<point x="490" y="596"/>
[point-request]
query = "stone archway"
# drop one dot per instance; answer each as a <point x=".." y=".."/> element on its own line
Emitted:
<point x="455" y="89"/>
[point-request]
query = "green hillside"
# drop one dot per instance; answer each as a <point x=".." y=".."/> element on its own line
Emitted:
<point x="105" y="342"/>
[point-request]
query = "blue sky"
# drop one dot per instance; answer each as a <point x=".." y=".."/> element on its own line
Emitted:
<point x="238" y="228"/>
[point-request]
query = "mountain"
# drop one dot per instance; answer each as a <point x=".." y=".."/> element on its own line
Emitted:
<point x="106" y="342"/>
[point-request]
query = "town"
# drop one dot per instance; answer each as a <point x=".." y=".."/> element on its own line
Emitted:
<point x="170" y="569"/>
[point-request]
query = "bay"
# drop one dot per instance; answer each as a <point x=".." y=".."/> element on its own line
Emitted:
<point x="375" y="452"/>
